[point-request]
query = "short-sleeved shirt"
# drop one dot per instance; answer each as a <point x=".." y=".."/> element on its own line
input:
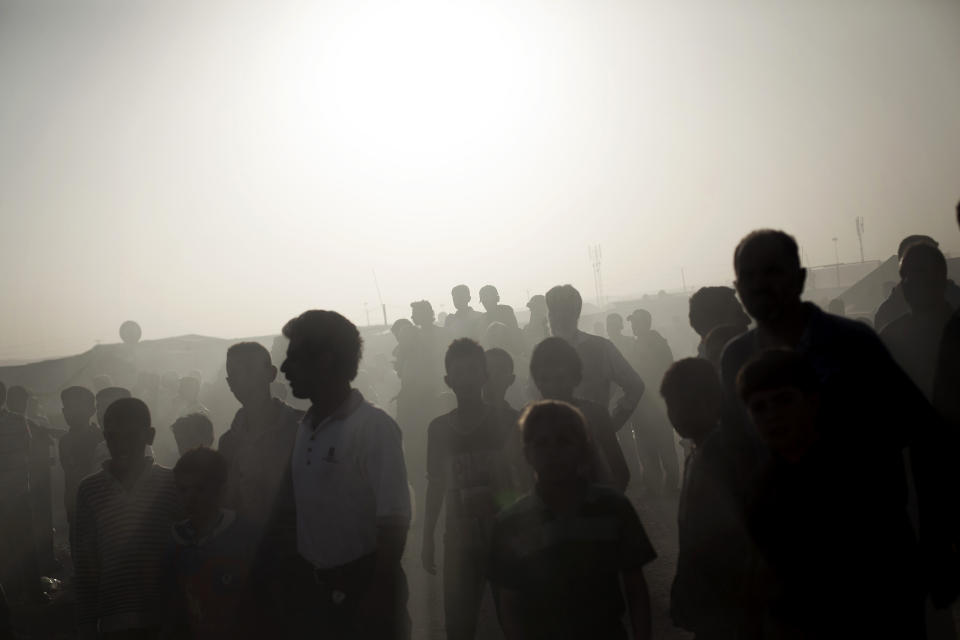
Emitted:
<point x="566" y="571"/>
<point x="348" y="472"/>
<point x="603" y="365"/>
<point x="472" y="467"/>
<point x="14" y="456"/>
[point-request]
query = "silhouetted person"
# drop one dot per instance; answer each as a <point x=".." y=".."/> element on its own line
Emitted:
<point x="191" y="431"/>
<point x="556" y="370"/>
<point x="101" y="382"/>
<point x="711" y="307"/>
<point x="500" y="381"/>
<point x="258" y="444"/>
<point x="538" y="327"/>
<point x="914" y="338"/>
<point x="124" y="513"/>
<point x="104" y="398"/>
<point x="209" y="558"/>
<point x="465" y="321"/>
<point x="714" y="343"/>
<point x="567" y="560"/>
<point x="620" y="340"/>
<point x="869" y="409"/>
<point x="468" y="470"/>
<point x="78" y="446"/>
<point x="711" y="585"/>
<point x="896" y="304"/>
<point x="18" y="570"/>
<point x="350" y="484"/>
<point x="946" y="387"/>
<point x="602" y="363"/>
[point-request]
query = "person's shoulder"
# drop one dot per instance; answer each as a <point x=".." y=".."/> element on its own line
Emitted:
<point x="895" y="328"/>
<point x="442" y="422"/>
<point x="93" y="482"/>
<point x="373" y="418"/>
<point x="737" y="352"/>
<point x="520" y="510"/>
<point x="608" y="498"/>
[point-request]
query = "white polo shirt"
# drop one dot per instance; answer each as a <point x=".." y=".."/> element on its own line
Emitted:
<point x="348" y="471"/>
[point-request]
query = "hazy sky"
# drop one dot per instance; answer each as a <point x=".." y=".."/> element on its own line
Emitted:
<point x="217" y="167"/>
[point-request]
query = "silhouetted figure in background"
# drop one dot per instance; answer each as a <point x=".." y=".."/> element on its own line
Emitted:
<point x="78" y="446"/>
<point x="350" y="484"/>
<point x="465" y="321"/>
<point x="654" y="438"/>
<point x="556" y="574"/>
<point x="946" y="386"/>
<point x="602" y="363"/>
<point x="869" y="411"/>
<point x="914" y="338"/>
<point x="101" y="382"/>
<point x="896" y="304"/>
<point x="711" y="585"/>
<point x="500" y="382"/>
<point x="715" y="341"/>
<point x="18" y="565"/>
<point x="191" y="431"/>
<point x="494" y="311"/>
<point x="124" y="513"/>
<point x="468" y="470"/>
<point x="621" y="341"/>
<point x="556" y="370"/>
<point x="104" y="398"/>
<point x="711" y="307"/>
<point x="538" y="327"/>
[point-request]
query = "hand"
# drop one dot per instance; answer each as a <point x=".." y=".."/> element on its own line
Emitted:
<point x="428" y="556"/>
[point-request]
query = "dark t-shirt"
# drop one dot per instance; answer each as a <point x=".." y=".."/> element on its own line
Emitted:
<point x="566" y="570"/>
<point x="946" y="385"/>
<point x="474" y="472"/>
<point x="914" y="342"/>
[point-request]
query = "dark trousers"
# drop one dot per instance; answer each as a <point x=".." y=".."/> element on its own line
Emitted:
<point x="464" y="581"/>
<point x="658" y="455"/>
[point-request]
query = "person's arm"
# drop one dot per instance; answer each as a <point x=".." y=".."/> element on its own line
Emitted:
<point x="624" y="376"/>
<point x="508" y="602"/>
<point x="86" y="567"/>
<point x="638" y="602"/>
<point x="434" y="500"/>
<point x="609" y="446"/>
<point x="385" y="469"/>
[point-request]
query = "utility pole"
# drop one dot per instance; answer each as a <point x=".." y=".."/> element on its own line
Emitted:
<point x="683" y="279"/>
<point x="860" y="235"/>
<point x="366" y="311"/>
<point x="383" y="307"/>
<point x="836" y="253"/>
<point x="596" y="256"/>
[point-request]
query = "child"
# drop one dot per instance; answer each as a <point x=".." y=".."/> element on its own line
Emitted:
<point x="710" y="586"/>
<point x="192" y="431"/>
<point x="78" y="446"/>
<point x="559" y="554"/>
<point x="123" y="522"/>
<point x="465" y="467"/>
<point x="211" y="554"/>
<point x="500" y="379"/>
<point x="556" y="371"/>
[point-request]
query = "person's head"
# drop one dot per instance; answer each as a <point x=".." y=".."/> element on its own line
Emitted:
<point x="323" y="354"/>
<point x="201" y="477"/>
<point x="711" y="307"/>
<point x="127" y="432"/>
<point x="17" y="400"/>
<point x="694" y="397"/>
<point x="466" y="367"/>
<point x="781" y="393"/>
<point x="101" y="382"/>
<point x="106" y="397"/>
<point x="489" y="297"/>
<point x="189" y="389"/>
<point x="79" y="406"/>
<point x="403" y="330"/>
<point x="769" y="276"/>
<point x="192" y="431"/>
<point x="923" y="276"/>
<point x="421" y="312"/>
<point x="170" y="382"/>
<point x="500" y="374"/>
<point x="614" y="325"/>
<point x="909" y="241"/>
<point x="556" y="442"/>
<point x="563" y="309"/>
<point x="538" y="306"/>
<point x="461" y="297"/>
<point x="249" y="372"/>
<point x="497" y="335"/>
<point x="717" y="339"/>
<point x="640" y="321"/>
<point x="837" y="307"/>
<point x="556" y="368"/>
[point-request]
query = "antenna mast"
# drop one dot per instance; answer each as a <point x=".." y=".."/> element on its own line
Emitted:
<point x="596" y="256"/>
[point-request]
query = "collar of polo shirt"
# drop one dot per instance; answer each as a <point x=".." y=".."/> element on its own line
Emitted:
<point x="351" y="404"/>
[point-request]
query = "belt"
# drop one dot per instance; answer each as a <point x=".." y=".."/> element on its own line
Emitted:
<point x="349" y="571"/>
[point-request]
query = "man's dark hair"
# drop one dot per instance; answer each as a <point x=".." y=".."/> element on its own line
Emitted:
<point x="564" y="297"/>
<point x="460" y="287"/>
<point x="776" y="369"/>
<point x="210" y="464"/>
<point x="921" y="257"/>
<point x="127" y="411"/>
<point x="197" y="425"/>
<point x="402" y="322"/>
<point x="76" y="395"/>
<point x="909" y="241"/>
<point x="250" y="350"/>
<point x="502" y="355"/>
<point x="788" y="245"/>
<point x="488" y="288"/>
<point x="462" y="349"/>
<point x="17" y="399"/>
<point x="709" y="306"/>
<point x="553" y="415"/>
<point x="328" y="332"/>
<point x="690" y="378"/>
<point x="555" y="352"/>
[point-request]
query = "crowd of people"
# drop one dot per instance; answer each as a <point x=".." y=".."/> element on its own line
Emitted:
<point x="809" y="457"/>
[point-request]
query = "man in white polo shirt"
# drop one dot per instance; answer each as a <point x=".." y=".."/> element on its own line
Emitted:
<point x="350" y="485"/>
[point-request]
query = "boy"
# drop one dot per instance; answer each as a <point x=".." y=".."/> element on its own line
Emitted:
<point x="78" y="446"/>
<point x="556" y="371"/>
<point x="192" y="431"/>
<point x="500" y="379"/>
<point x="826" y="529"/>
<point x="123" y="522"/>
<point x="211" y="553"/>
<point x="466" y="467"/>
<point x="560" y="554"/>
<point x="708" y="591"/>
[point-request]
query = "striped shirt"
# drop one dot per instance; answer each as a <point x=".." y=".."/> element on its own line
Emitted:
<point x="121" y="537"/>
